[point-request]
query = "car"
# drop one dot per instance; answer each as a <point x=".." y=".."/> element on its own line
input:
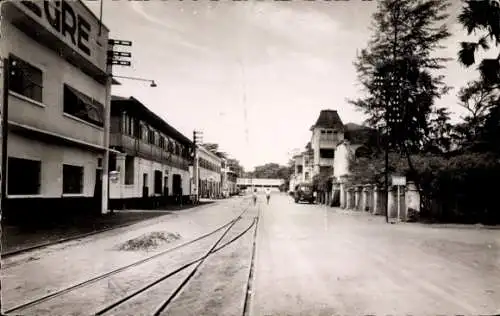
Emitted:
<point x="304" y="192"/>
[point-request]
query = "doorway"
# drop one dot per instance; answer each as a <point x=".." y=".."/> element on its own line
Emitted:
<point x="98" y="190"/>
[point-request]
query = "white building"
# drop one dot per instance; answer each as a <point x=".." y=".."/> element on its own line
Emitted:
<point x="210" y="173"/>
<point x="260" y="184"/>
<point x="230" y="173"/>
<point x="359" y="141"/>
<point x="332" y="147"/>
<point x="153" y="163"/>
<point x="56" y="104"/>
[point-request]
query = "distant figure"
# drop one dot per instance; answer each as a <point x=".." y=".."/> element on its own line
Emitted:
<point x="268" y="194"/>
<point x="254" y="196"/>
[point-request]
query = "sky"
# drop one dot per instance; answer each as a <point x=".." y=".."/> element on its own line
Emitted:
<point x="252" y="75"/>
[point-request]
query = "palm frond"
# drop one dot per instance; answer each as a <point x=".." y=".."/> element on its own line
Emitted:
<point x="490" y="71"/>
<point x="466" y="53"/>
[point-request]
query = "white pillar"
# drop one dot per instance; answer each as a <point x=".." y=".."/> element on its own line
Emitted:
<point x="412" y="199"/>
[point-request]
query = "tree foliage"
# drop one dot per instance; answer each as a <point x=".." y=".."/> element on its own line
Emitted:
<point x="398" y="68"/>
<point x="271" y="171"/>
<point x="480" y="130"/>
<point x="481" y="16"/>
<point x="480" y="100"/>
<point x="461" y="187"/>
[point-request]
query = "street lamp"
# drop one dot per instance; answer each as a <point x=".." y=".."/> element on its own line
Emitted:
<point x="107" y="128"/>
<point x="152" y="85"/>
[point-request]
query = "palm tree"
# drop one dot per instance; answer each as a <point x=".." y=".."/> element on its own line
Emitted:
<point x="481" y="16"/>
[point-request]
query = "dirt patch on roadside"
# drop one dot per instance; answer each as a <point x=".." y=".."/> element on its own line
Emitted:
<point x="148" y="241"/>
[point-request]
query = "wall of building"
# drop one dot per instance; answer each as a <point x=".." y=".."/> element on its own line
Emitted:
<point x="206" y="174"/>
<point x="260" y="182"/>
<point x="343" y="153"/>
<point x="52" y="159"/>
<point x="48" y="115"/>
<point x="120" y="190"/>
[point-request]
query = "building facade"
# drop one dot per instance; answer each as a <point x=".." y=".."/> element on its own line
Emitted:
<point x="359" y="141"/>
<point x="332" y="147"/>
<point x="230" y="173"/>
<point x="152" y="166"/>
<point x="327" y="133"/>
<point x="260" y="184"/>
<point x="210" y="173"/>
<point x="56" y="106"/>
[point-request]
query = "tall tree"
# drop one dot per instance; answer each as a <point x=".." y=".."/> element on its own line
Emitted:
<point x="481" y="16"/>
<point x="478" y="98"/>
<point x="397" y="70"/>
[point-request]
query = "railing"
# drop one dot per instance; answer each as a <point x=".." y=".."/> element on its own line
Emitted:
<point x="149" y="150"/>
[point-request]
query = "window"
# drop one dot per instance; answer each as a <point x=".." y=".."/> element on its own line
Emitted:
<point x="157" y="185"/>
<point x="72" y="179"/>
<point x="136" y="128"/>
<point x="127" y="125"/>
<point x="326" y="153"/>
<point x="82" y="106"/>
<point x="161" y="141"/>
<point x="26" y="79"/>
<point x="151" y="137"/>
<point x="170" y="146"/>
<point x="112" y="162"/>
<point x="144" y="132"/>
<point x="129" y="169"/>
<point x="23" y="176"/>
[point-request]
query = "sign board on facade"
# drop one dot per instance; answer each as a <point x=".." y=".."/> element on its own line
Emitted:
<point x="114" y="176"/>
<point x="72" y="23"/>
<point x="398" y="180"/>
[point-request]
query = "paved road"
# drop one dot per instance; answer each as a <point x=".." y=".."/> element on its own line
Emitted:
<point x="32" y="275"/>
<point x="310" y="260"/>
<point x="314" y="260"/>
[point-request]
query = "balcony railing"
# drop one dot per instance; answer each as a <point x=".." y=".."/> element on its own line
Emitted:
<point x="326" y="161"/>
<point x="148" y="151"/>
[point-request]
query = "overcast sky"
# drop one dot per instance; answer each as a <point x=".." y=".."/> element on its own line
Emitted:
<point x="252" y="75"/>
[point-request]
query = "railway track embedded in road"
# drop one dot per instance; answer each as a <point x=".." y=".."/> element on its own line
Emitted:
<point x="201" y="260"/>
<point x="226" y="227"/>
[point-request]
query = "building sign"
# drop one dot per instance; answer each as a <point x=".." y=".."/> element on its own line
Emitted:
<point x="72" y="23"/>
<point x="398" y="181"/>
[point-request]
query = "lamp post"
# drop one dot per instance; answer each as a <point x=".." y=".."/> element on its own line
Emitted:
<point x="152" y="85"/>
<point x="107" y="131"/>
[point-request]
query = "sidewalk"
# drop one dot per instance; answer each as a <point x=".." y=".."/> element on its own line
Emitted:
<point x="15" y="238"/>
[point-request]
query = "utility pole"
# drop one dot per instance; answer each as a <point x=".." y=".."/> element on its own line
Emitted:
<point x="113" y="58"/>
<point x="3" y="167"/>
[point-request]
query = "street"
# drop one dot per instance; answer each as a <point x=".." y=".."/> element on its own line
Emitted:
<point x="309" y="260"/>
<point x="316" y="260"/>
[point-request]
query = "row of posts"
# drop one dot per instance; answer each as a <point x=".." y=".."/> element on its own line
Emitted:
<point x="372" y="198"/>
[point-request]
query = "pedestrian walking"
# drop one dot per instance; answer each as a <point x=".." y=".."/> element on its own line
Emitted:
<point x="268" y="195"/>
<point x="254" y="196"/>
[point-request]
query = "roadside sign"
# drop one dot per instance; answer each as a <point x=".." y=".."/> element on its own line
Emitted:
<point x="120" y="62"/>
<point x="114" y="53"/>
<point x="398" y="180"/>
<point x="119" y="42"/>
<point x="114" y="176"/>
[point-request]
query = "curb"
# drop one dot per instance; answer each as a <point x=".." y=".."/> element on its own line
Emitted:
<point x="79" y="236"/>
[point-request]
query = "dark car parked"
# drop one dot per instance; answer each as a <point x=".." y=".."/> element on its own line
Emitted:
<point x="304" y="192"/>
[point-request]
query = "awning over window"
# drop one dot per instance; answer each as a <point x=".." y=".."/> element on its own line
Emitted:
<point x="82" y="106"/>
